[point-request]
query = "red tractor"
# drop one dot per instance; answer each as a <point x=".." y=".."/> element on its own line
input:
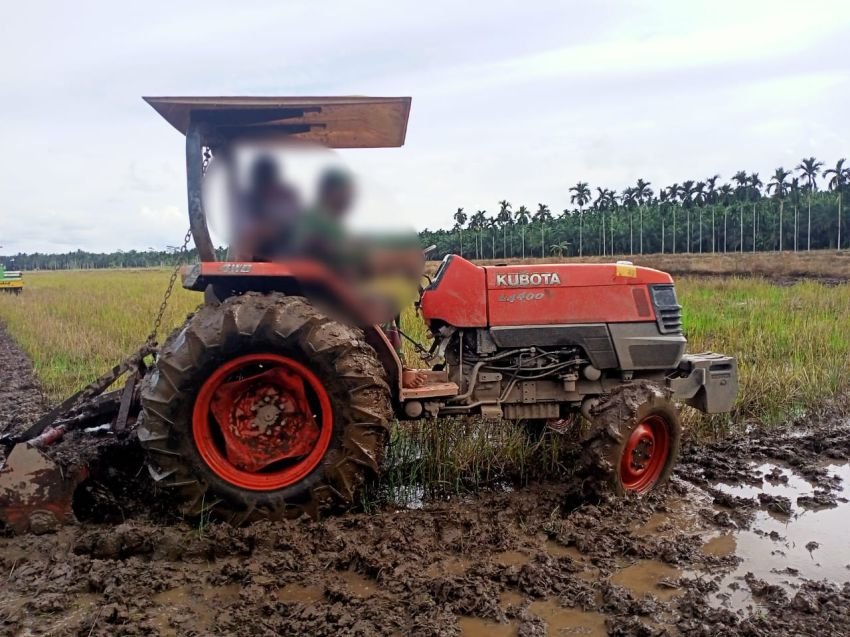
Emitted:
<point x="263" y="404"/>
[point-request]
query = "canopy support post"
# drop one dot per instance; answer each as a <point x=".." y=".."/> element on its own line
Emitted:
<point x="194" y="183"/>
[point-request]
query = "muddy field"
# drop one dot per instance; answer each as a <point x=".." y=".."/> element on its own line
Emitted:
<point x="748" y="539"/>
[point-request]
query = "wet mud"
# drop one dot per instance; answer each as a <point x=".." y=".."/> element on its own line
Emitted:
<point x="21" y="399"/>
<point x="749" y="538"/>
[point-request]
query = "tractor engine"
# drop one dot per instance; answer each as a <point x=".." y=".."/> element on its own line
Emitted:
<point x="536" y="341"/>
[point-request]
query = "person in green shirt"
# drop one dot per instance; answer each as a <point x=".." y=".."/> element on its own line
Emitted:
<point x="388" y="268"/>
<point x="320" y="233"/>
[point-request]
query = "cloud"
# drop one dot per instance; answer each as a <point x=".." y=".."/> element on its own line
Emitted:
<point x="520" y="100"/>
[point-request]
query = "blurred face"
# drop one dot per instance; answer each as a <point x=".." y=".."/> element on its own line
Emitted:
<point x="339" y="198"/>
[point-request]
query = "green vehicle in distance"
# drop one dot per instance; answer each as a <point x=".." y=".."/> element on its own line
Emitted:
<point x="11" y="281"/>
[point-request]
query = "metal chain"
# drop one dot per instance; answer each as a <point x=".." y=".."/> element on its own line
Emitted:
<point x="207" y="158"/>
<point x="151" y="339"/>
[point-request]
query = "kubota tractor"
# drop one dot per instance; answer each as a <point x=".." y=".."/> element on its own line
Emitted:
<point x="262" y="404"/>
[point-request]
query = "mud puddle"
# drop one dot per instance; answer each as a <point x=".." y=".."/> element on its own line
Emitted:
<point x="791" y="539"/>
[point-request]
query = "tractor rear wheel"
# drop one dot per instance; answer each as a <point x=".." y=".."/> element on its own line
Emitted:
<point x="634" y="440"/>
<point x="264" y="407"/>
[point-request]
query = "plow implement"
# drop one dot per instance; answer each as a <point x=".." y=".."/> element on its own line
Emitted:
<point x="41" y="467"/>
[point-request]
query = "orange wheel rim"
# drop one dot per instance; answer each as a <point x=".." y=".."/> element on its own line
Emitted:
<point x="262" y="422"/>
<point x="645" y="455"/>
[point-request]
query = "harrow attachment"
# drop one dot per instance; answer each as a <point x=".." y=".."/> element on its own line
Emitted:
<point x="42" y="466"/>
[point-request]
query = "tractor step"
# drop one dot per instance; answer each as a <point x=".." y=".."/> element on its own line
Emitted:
<point x="432" y="390"/>
<point x="436" y="385"/>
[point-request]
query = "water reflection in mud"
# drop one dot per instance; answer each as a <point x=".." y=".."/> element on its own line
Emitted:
<point x="785" y="549"/>
<point x="568" y="621"/>
<point x="650" y="576"/>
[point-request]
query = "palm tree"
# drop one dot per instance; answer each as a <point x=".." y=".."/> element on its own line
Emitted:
<point x="663" y="198"/>
<point x="699" y="199"/>
<point x="493" y="224"/>
<point x="522" y="218"/>
<point x="558" y="248"/>
<point x="542" y="216"/>
<point x="687" y="192"/>
<point x="755" y="189"/>
<point x="505" y="218"/>
<point x="614" y="203"/>
<point x="643" y="194"/>
<point x="742" y="181"/>
<point x="478" y="223"/>
<point x="472" y="226"/>
<point x="779" y="188"/>
<point x="726" y="194"/>
<point x="809" y="168"/>
<point x="580" y="197"/>
<point x="628" y="200"/>
<point x="601" y="204"/>
<point x="838" y="182"/>
<point x="610" y="203"/>
<point x="460" y="219"/>
<point x="711" y="199"/>
<point x="673" y="192"/>
<point x="794" y="190"/>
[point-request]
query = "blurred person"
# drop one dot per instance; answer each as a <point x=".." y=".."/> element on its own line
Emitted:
<point x="320" y="232"/>
<point x="266" y="214"/>
<point x="390" y="274"/>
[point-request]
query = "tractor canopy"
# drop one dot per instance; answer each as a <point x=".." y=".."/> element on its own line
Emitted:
<point x="335" y="122"/>
<point x="212" y="124"/>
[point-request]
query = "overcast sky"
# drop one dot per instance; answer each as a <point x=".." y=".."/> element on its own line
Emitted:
<point x="515" y="100"/>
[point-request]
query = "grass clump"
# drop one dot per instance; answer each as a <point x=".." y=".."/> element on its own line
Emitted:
<point x="791" y="341"/>
<point x="458" y="455"/>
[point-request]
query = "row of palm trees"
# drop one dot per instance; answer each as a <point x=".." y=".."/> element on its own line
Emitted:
<point x="789" y="212"/>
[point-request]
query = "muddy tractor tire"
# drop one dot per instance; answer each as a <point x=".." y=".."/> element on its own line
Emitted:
<point x="633" y="442"/>
<point x="263" y="407"/>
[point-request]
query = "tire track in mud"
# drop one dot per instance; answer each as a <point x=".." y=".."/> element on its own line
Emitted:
<point x="528" y="562"/>
<point x="21" y="399"/>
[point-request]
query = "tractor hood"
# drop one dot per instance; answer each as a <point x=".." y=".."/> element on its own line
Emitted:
<point x="467" y="295"/>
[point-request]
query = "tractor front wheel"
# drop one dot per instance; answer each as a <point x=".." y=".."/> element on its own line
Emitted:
<point x="264" y="407"/>
<point x="634" y="440"/>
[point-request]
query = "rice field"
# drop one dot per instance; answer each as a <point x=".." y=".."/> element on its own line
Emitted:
<point x="791" y="341"/>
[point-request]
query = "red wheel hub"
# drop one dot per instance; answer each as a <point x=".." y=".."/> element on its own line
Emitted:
<point x="645" y="454"/>
<point x="262" y="422"/>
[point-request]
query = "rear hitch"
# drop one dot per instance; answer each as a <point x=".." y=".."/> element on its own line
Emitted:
<point x="36" y="492"/>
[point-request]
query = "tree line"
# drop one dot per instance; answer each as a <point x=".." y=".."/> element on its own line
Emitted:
<point x="83" y="260"/>
<point x="789" y="212"/>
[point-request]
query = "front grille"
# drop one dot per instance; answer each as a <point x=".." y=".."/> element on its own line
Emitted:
<point x="655" y="354"/>
<point x="668" y="312"/>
